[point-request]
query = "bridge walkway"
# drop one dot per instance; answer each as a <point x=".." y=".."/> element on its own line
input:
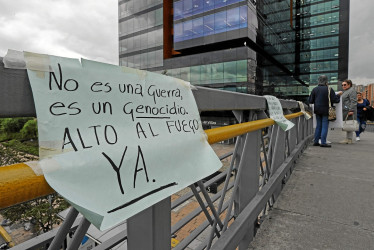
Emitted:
<point x="328" y="202"/>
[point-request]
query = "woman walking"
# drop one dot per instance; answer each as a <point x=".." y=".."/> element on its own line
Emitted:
<point x="320" y="98"/>
<point x="362" y="105"/>
<point x="349" y="106"/>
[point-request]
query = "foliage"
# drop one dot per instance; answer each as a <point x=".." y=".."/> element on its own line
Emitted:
<point x="30" y="147"/>
<point x="30" y="130"/>
<point x="42" y="212"/>
<point x="11" y="125"/>
<point x="23" y="128"/>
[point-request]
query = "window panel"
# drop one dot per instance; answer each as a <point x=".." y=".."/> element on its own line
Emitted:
<point x="159" y="58"/>
<point x="219" y="22"/>
<point x="217" y="73"/>
<point x="206" y="72"/>
<point x="178" y="10"/>
<point x="229" y="71"/>
<point x="159" y="15"/>
<point x="195" y="74"/>
<point x="243" y="16"/>
<point x="241" y="71"/>
<point x="208" y="25"/>
<point x="233" y="19"/>
<point x="185" y="74"/>
<point x="197" y="28"/>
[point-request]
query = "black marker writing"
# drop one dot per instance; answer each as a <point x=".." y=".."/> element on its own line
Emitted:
<point x="140" y="153"/>
<point x="69" y="84"/>
<point x="117" y="169"/>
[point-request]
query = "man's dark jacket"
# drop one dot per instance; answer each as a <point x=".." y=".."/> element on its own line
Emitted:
<point x="319" y="97"/>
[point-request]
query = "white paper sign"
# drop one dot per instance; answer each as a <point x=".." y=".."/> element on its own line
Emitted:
<point x="276" y="113"/>
<point x="114" y="140"/>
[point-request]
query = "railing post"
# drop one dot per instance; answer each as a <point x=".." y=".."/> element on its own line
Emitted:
<point x="249" y="180"/>
<point x="150" y="229"/>
<point x="279" y="153"/>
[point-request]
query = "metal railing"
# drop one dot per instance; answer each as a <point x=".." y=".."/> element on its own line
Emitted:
<point x="369" y="126"/>
<point x="263" y="159"/>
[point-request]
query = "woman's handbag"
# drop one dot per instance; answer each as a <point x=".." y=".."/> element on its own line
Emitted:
<point x="332" y="110"/>
<point x="350" y="125"/>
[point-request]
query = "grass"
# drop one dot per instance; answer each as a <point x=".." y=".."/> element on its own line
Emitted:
<point x="29" y="147"/>
<point x="10" y="136"/>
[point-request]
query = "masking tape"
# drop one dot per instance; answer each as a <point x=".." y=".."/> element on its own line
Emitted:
<point x="35" y="166"/>
<point x="49" y="165"/>
<point x="37" y="62"/>
<point x="14" y="59"/>
<point x="51" y="148"/>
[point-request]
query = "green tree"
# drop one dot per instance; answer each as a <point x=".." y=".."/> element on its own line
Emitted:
<point x="42" y="212"/>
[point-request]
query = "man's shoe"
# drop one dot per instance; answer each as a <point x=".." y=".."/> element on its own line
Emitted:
<point x="316" y="144"/>
<point x="358" y="139"/>
<point x="349" y="141"/>
<point x="325" y="145"/>
<point x="327" y="142"/>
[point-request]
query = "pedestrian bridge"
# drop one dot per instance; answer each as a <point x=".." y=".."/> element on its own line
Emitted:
<point x="276" y="187"/>
<point x="328" y="201"/>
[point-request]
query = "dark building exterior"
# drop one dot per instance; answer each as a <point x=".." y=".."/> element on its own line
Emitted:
<point x="276" y="47"/>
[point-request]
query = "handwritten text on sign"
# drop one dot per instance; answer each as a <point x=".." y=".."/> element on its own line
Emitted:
<point x="276" y="113"/>
<point x="114" y="140"/>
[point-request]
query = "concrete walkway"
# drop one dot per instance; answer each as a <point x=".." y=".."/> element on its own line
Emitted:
<point x="328" y="202"/>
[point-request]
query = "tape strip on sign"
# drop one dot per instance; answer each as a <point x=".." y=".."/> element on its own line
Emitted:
<point x="276" y="113"/>
<point x="14" y="60"/>
<point x="35" y="166"/>
<point x="37" y="62"/>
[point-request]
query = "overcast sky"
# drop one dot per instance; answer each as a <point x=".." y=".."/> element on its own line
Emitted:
<point x="89" y="29"/>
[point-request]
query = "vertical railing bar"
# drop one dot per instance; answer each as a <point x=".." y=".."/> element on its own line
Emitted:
<point x="224" y="190"/>
<point x="79" y="234"/>
<point x="265" y="156"/>
<point x="288" y="143"/>
<point x="236" y="184"/>
<point x="269" y="157"/>
<point x="64" y="229"/>
<point x="201" y="203"/>
<point x="261" y="169"/>
<point x="210" y="203"/>
<point x="271" y="147"/>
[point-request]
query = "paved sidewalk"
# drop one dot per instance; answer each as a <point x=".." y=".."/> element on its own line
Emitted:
<point x="328" y="202"/>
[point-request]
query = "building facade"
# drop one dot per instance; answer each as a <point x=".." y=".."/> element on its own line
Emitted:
<point x="276" y="47"/>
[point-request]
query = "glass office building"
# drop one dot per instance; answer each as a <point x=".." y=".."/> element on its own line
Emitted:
<point x="276" y="47"/>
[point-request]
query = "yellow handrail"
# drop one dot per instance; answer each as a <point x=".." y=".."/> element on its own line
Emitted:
<point x="19" y="183"/>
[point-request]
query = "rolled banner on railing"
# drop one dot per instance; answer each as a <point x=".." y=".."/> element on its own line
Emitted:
<point x="302" y="108"/>
<point x="276" y="112"/>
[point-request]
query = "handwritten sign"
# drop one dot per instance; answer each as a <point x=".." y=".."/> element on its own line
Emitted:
<point x="276" y="113"/>
<point x="114" y="140"/>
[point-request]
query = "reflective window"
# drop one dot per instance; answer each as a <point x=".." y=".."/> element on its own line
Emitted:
<point x="208" y="25"/>
<point x="233" y="19"/>
<point x="195" y="74"/>
<point x="229" y="74"/>
<point x="206" y="74"/>
<point x="141" y="22"/>
<point x="186" y="8"/>
<point x="234" y="71"/>
<point x="217" y="73"/>
<point x="141" y="42"/>
<point x="219" y="22"/>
